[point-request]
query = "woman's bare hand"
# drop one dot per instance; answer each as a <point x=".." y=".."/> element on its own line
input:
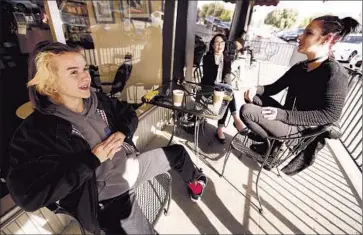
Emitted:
<point x="250" y="93"/>
<point x="270" y="113"/>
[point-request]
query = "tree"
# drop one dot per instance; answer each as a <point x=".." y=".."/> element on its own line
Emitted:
<point x="281" y="18"/>
<point x="226" y="15"/>
<point x="306" y="21"/>
<point x="216" y="10"/>
<point x="203" y="12"/>
<point x="310" y="18"/>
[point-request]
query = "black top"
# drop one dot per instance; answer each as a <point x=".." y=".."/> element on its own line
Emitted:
<point x="318" y="95"/>
<point x="210" y="70"/>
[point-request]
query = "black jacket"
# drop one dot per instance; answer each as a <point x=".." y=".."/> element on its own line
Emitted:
<point x="210" y="70"/>
<point x="48" y="163"/>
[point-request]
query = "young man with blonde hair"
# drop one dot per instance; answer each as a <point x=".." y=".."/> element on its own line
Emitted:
<point x="76" y="148"/>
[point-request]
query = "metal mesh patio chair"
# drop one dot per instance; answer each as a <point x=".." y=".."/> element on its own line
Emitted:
<point x="272" y="158"/>
<point x="153" y="197"/>
<point x="197" y="73"/>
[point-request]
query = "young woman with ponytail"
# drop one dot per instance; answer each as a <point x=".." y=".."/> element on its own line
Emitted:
<point x="317" y="87"/>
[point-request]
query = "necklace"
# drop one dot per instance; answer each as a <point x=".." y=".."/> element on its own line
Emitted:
<point x="306" y="62"/>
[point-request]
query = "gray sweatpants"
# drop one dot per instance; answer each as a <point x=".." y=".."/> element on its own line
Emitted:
<point x="251" y="115"/>
<point x="123" y="215"/>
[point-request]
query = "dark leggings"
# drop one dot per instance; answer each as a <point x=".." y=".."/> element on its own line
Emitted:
<point x="251" y="115"/>
<point x="232" y="108"/>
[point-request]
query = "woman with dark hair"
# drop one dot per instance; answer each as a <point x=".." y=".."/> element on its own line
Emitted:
<point x="77" y="148"/>
<point x="217" y="69"/>
<point x="317" y="87"/>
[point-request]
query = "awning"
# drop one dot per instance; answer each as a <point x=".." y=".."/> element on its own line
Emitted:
<point x="259" y="2"/>
<point x="266" y="2"/>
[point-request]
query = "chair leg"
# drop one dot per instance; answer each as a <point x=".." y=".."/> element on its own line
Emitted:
<point x="197" y="74"/>
<point x="225" y="160"/>
<point x="167" y="209"/>
<point x="200" y="74"/>
<point x="259" y="174"/>
<point x="257" y="193"/>
<point x="174" y="128"/>
<point x="203" y="126"/>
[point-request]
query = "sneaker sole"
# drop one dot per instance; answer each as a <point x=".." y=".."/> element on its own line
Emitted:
<point x="194" y="199"/>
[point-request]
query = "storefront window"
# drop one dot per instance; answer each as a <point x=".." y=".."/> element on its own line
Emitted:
<point x="122" y="43"/>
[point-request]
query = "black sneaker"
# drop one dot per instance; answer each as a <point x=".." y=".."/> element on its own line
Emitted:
<point x="196" y="188"/>
<point x="262" y="148"/>
<point x="259" y="148"/>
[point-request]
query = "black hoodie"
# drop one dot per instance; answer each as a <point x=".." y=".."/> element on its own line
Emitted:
<point x="50" y="163"/>
<point x="114" y="176"/>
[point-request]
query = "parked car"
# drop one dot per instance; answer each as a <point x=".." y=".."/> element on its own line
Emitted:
<point x="291" y="36"/>
<point x="349" y="47"/>
<point x="256" y="34"/>
<point x="227" y="24"/>
<point x="356" y="63"/>
<point x="215" y="23"/>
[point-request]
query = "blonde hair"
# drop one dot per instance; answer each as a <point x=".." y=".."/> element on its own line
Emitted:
<point x="45" y="77"/>
<point x="43" y="72"/>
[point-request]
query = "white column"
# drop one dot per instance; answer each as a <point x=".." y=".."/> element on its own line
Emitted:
<point x="55" y="20"/>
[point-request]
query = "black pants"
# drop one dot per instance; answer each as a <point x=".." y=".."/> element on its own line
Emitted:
<point x="232" y="107"/>
<point x="123" y="215"/>
<point x="251" y="115"/>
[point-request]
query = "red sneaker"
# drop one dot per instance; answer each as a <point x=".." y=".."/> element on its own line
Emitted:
<point x="196" y="188"/>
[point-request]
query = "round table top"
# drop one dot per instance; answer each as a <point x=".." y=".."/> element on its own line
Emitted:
<point x="24" y="110"/>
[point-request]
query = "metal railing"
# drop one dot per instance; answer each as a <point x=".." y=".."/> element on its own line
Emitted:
<point x="114" y="55"/>
<point x="274" y="52"/>
<point x="351" y="120"/>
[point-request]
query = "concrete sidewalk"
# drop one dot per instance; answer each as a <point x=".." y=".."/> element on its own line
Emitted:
<point x="319" y="200"/>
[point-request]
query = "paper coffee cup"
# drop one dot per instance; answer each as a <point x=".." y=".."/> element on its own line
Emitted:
<point x="218" y="97"/>
<point x="178" y="97"/>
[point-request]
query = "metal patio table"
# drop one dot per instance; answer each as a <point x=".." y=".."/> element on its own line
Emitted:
<point x="198" y="101"/>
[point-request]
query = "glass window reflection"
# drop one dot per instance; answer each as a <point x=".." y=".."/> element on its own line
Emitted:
<point x="122" y="42"/>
